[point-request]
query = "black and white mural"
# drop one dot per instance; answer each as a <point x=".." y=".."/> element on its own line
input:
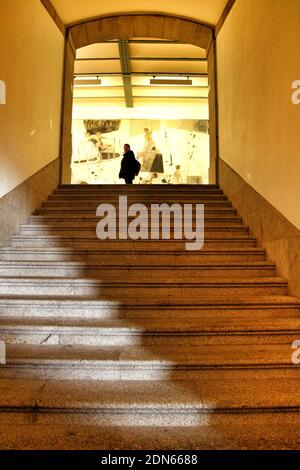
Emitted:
<point x="170" y="151"/>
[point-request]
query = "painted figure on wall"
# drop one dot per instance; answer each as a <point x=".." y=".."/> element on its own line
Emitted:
<point x="176" y="151"/>
<point x="177" y="176"/>
<point x="150" y="157"/>
<point x="149" y="142"/>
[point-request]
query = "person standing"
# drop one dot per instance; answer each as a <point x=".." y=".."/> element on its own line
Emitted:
<point x="128" y="165"/>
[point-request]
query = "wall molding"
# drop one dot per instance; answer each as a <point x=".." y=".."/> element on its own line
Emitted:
<point x="125" y="26"/>
<point x="223" y="18"/>
<point x="54" y="15"/>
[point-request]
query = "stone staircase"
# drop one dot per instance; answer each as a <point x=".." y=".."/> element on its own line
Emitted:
<point x="142" y="344"/>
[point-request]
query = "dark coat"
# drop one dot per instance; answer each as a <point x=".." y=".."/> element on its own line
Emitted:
<point x="128" y="165"/>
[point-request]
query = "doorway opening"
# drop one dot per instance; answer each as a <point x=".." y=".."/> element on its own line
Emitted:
<point x="152" y="94"/>
<point x="152" y="91"/>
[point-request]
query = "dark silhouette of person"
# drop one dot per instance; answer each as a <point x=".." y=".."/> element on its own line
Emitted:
<point x="128" y="165"/>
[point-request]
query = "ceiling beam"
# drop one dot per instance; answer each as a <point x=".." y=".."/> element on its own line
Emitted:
<point x="156" y="86"/>
<point x="179" y="59"/>
<point x="147" y="41"/>
<point x="142" y="74"/>
<point x="126" y="71"/>
<point x="142" y="96"/>
<point x="166" y="59"/>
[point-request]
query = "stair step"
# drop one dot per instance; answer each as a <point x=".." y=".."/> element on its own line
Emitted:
<point x="37" y="221"/>
<point x="85" y="212"/>
<point x="139" y="187"/>
<point x="140" y="191"/>
<point x="140" y="403"/>
<point x="219" y="200"/>
<point x="265" y="428"/>
<point x="123" y="245"/>
<point x="147" y="332"/>
<point x="137" y="363"/>
<point x="92" y="206"/>
<point x="136" y="257"/>
<point x="140" y="197"/>
<point x="122" y="338"/>
<point x="44" y="223"/>
<point x="230" y="216"/>
<point x="209" y="288"/>
<point x="132" y="272"/>
<point x="90" y="233"/>
<point x="265" y="307"/>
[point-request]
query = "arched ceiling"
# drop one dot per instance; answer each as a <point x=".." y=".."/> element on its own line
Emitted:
<point x="207" y="11"/>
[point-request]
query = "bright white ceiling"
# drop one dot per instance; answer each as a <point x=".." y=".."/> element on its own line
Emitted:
<point x="208" y="11"/>
<point x="104" y="59"/>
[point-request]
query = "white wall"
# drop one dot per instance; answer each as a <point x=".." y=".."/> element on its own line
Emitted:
<point x="258" y="60"/>
<point x="31" y="65"/>
<point x="171" y="109"/>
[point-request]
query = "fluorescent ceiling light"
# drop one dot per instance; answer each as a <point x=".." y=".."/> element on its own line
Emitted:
<point x="170" y="81"/>
<point x="87" y="82"/>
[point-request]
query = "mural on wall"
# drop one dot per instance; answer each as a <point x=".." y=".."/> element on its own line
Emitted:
<point x="150" y="158"/>
<point x="170" y="151"/>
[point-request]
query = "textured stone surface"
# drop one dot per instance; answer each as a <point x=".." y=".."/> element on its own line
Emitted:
<point x="207" y="426"/>
<point x="149" y="332"/>
<point x="17" y="205"/>
<point x="138" y="345"/>
<point x="272" y="431"/>
<point x="209" y="288"/>
<point x="137" y="257"/>
<point x="154" y="273"/>
<point x="128" y="397"/>
<point x="268" y="307"/>
<point x="275" y="233"/>
<point x="138" y="25"/>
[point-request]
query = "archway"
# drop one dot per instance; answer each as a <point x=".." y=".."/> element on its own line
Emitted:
<point x="126" y="26"/>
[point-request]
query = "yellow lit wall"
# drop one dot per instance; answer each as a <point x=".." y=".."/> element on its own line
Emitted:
<point x="31" y="65"/>
<point x="258" y="60"/>
<point x="205" y="10"/>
